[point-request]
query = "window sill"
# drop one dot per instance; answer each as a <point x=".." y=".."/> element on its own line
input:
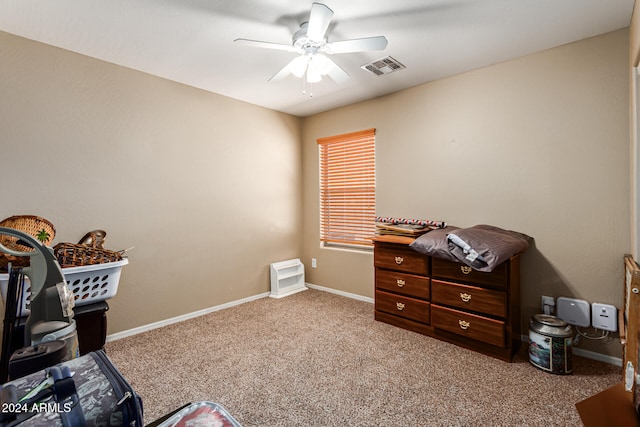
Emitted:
<point x="347" y="248"/>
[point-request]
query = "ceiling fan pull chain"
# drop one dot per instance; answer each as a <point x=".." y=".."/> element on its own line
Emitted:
<point x="304" y="83"/>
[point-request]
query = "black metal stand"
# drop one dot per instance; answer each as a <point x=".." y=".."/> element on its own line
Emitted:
<point x="11" y="338"/>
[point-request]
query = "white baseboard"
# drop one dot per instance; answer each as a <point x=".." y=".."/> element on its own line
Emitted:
<point x="160" y="324"/>
<point x="616" y="361"/>
<point x="341" y="293"/>
<point x="295" y="290"/>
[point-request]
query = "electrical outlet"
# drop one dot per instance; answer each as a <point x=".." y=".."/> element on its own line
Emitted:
<point x="547" y="304"/>
<point x="314" y="264"/>
<point x="604" y="316"/>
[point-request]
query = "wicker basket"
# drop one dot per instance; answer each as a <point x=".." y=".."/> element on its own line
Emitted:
<point x="76" y="255"/>
<point x="35" y="226"/>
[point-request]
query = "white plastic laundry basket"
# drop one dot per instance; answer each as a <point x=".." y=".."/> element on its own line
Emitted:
<point x="89" y="283"/>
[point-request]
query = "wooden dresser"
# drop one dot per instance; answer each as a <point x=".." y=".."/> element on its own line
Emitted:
<point x="448" y="300"/>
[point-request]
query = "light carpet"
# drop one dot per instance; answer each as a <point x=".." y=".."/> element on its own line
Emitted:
<point x="319" y="359"/>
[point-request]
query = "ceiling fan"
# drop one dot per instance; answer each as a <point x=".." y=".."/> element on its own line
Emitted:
<point x="310" y="42"/>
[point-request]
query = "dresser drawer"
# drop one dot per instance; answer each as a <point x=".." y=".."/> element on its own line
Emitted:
<point x="499" y="277"/>
<point x="469" y="325"/>
<point x="402" y="306"/>
<point x="400" y="258"/>
<point x="472" y="298"/>
<point x="402" y="283"/>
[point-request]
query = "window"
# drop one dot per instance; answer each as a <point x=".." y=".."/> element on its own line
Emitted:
<point x="347" y="189"/>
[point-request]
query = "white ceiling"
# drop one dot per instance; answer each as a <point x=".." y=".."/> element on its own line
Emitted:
<point x="191" y="41"/>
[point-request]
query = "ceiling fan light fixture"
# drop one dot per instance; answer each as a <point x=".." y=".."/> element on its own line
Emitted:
<point x="313" y="76"/>
<point x="299" y="66"/>
<point x="320" y="64"/>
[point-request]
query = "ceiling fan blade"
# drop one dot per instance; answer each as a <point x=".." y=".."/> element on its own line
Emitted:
<point x="357" y="45"/>
<point x="336" y="73"/>
<point x="266" y="45"/>
<point x="319" y="20"/>
<point x="282" y="74"/>
<point x="296" y="66"/>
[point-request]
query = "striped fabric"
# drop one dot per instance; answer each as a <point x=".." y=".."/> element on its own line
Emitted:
<point x="424" y="222"/>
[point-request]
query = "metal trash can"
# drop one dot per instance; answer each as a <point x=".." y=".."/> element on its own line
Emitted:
<point x="551" y="344"/>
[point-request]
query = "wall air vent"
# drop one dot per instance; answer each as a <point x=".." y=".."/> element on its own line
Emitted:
<point x="383" y="66"/>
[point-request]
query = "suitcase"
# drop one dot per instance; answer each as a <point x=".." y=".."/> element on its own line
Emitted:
<point x="87" y="391"/>
<point x="198" y="414"/>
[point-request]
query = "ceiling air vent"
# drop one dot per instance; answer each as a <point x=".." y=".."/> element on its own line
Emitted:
<point x="383" y="66"/>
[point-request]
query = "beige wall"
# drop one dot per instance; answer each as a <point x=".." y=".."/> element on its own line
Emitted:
<point x="206" y="188"/>
<point x="538" y="145"/>
<point x="634" y="82"/>
<point x="634" y="36"/>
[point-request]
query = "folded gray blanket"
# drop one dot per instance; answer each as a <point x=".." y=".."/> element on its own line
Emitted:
<point x="481" y="247"/>
<point x="484" y="247"/>
<point x="435" y="244"/>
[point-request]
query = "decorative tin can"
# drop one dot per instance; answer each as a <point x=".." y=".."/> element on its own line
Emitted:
<point x="550" y="344"/>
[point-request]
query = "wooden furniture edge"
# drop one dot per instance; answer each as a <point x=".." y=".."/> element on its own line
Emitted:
<point x="608" y="408"/>
<point x="390" y="238"/>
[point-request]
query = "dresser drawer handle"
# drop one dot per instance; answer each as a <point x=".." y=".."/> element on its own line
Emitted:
<point x="465" y="297"/>
<point x="465" y="269"/>
<point x="464" y="324"/>
<point x="400" y="306"/>
<point x="399" y="260"/>
<point x="400" y="283"/>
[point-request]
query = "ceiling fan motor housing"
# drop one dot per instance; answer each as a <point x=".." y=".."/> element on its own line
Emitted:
<point x="304" y="43"/>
